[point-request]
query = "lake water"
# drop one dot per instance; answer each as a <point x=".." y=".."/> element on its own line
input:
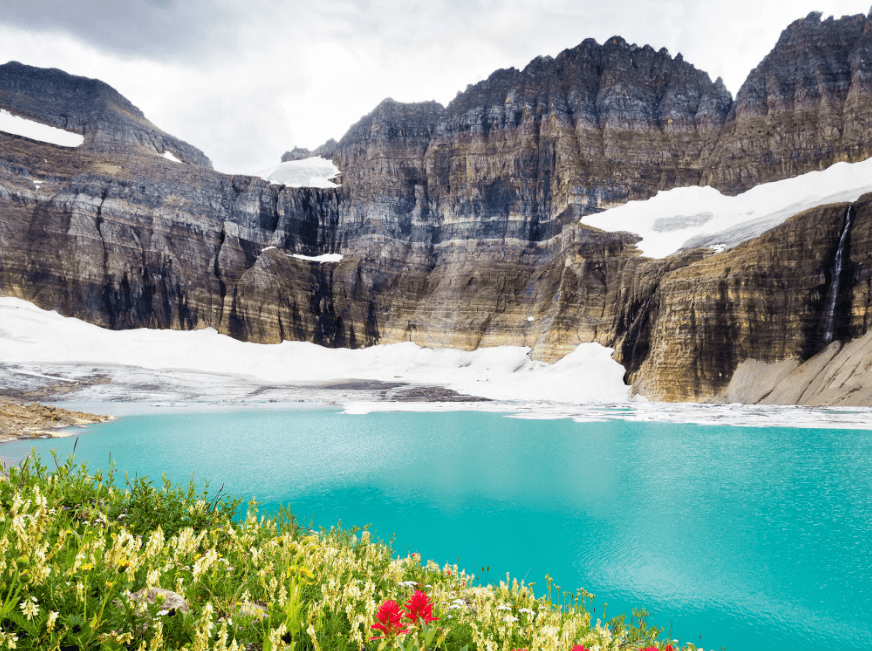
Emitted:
<point x="745" y="537"/>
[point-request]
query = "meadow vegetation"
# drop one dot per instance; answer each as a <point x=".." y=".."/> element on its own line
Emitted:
<point x="91" y="560"/>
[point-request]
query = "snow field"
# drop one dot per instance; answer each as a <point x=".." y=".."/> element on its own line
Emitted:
<point x="36" y="131"/>
<point x="702" y="216"/>
<point x="314" y="172"/>
<point x="31" y="335"/>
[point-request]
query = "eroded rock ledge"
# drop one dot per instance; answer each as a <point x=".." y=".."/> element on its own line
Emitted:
<point x="21" y="420"/>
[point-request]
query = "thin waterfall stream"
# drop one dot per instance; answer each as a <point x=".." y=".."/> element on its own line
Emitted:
<point x="833" y="292"/>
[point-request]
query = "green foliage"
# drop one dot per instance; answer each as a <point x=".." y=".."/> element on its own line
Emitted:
<point x="78" y="555"/>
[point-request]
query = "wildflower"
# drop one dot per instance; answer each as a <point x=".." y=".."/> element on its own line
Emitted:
<point x="419" y="608"/>
<point x="8" y="639"/>
<point x="579" y="647"/>
<point x="390" y="621"/>
<point x="52" y="618"/>
<point x="509" y="619"/>
<point x="30" y="609"/>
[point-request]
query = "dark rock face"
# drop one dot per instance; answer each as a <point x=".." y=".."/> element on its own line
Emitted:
<point x="805" y="107"/>
<point x="327" y="150"/>
<point x="459" y="224"/>
<point x="108" y="121"/>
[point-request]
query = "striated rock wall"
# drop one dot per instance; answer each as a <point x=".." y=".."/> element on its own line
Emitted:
<point x="803" y="108"/>
<point x="459" y="224"/>
<point x="765" y="300"/>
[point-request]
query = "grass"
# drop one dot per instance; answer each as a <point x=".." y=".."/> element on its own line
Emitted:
<point x="75" y="549"/>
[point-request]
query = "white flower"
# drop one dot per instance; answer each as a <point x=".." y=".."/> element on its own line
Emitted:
<point x="526" y="610"/>
<point x="510" y="619"/>
<point x="504" y="608"/>
<point x="52" y="618"/>
<point x="29" y="608"/>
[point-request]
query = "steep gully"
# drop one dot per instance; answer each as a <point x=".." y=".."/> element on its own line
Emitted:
<point x="459" y="224"/>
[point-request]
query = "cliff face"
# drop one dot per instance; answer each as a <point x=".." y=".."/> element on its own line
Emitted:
<point x="805" y="107"/>
<point x="459" y="224"/>
<point x="766" y="300"/>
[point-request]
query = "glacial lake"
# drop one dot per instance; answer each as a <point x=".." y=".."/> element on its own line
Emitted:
<point x="751" y="538"/>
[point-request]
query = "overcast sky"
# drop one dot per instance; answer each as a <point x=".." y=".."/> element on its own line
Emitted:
<point x="247" y="80"/>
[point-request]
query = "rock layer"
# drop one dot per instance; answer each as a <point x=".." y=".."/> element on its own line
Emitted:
<point x="459" y="224"/>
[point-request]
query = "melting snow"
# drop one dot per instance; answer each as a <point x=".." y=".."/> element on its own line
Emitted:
<point x="702" y="216"/>
<point x="313" y="172"/>
<point x="36" y="131"/>
<point x="324" y="257"/>
<point x="35" y="336"/>
<point x="169" y="156"/>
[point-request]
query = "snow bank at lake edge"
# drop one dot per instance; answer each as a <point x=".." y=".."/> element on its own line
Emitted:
<point x="29" y="334"/>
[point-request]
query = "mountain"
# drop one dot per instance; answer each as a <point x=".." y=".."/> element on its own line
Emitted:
<point x="108" y="121"/>
<point x="459" y="225"/>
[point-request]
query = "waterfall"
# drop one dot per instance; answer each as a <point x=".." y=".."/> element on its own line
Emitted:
<point x="637" y="327"/>
<point x="833" y="292"/>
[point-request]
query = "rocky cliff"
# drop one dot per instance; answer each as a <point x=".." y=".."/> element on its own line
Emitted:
<point x="459" y="224"/>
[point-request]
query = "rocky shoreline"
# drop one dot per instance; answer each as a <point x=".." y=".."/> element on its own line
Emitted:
<point x="20" y="420"/>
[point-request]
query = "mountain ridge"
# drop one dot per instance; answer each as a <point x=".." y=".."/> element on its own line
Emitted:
<point x="459" y="225"/>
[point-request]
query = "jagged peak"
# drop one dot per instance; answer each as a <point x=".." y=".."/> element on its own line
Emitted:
<point x="813" y="23"/>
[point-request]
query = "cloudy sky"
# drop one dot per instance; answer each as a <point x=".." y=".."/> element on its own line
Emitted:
<point x="246" y="81"/>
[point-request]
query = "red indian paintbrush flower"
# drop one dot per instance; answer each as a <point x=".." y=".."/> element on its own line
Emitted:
<point x="390" y="621"/>
<point x="578" y="647"/>
<point x="419" y="608"/>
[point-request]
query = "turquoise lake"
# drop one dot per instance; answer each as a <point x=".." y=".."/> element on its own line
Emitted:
<point x="744" y="537"/>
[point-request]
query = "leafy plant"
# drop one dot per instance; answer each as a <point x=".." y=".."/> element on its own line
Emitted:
<point x="86" y="563"/>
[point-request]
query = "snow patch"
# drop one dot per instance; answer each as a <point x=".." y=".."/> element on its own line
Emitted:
<point x="169" y="156"/>
<point x="587" y="375"/>
<point x="324" y="257"/>
<point x="314" y="172"/>
<point x="36" y="131"/>
<point x="684" y="218"/>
